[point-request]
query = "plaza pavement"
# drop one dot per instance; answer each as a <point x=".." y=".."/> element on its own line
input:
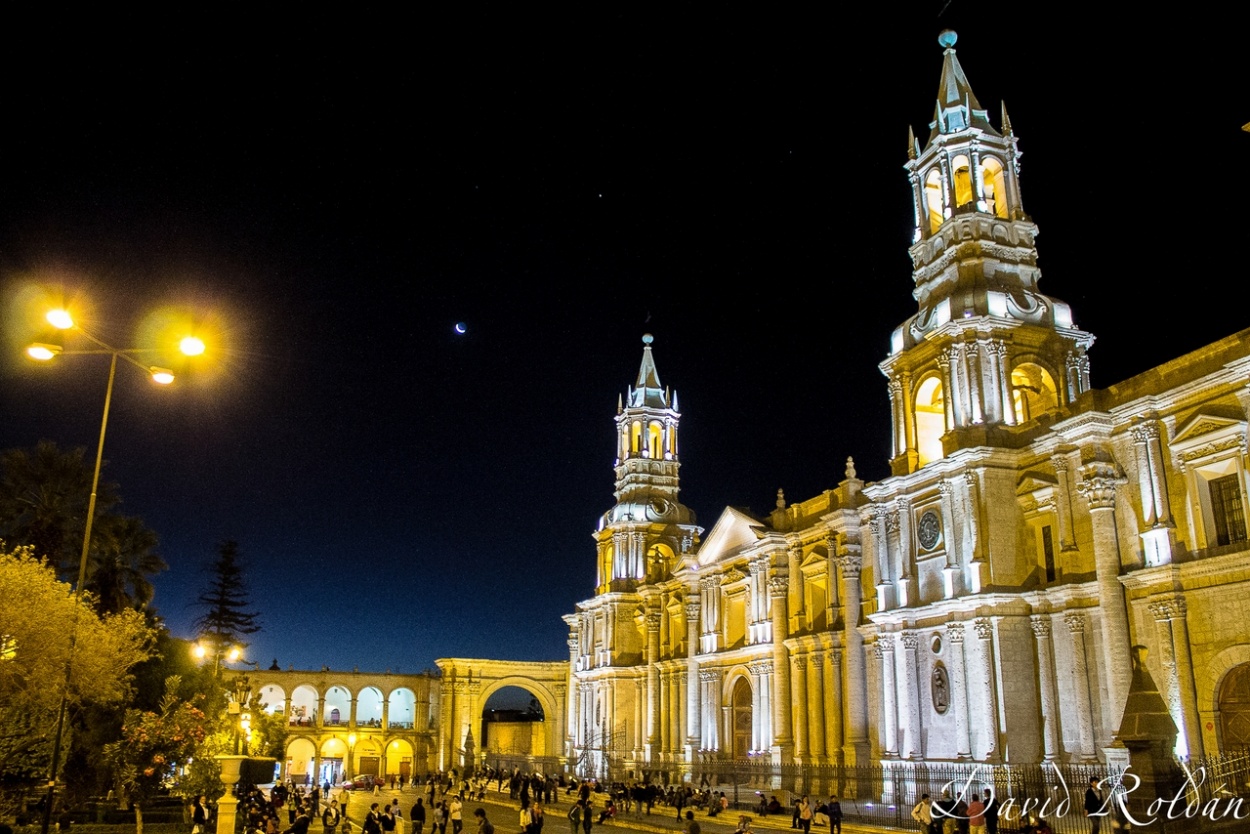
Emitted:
<point x="504" y="814"/>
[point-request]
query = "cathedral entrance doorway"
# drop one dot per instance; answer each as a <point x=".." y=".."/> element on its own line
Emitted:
<point x="742" y="719"/>
<point x="1234" y="707"/>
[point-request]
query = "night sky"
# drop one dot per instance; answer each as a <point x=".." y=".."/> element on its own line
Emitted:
<point x="329" y="197"/>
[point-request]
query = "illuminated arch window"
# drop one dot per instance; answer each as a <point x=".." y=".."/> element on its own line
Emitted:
<point x="635" y="437"/>
<point x="930" y="419"/>
<point x="934" y="200"/>
<point x="962" y="177"/>
<point x="994" y="187"/>
<point x="1032" y="391"/>
<point x="655" y="441"/>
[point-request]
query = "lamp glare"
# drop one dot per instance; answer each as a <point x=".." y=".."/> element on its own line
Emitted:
<point x="164" y="376"/>
<point x="191" y="346"/>
<point x="60" y="319"/>
<point x="42" y="352"/>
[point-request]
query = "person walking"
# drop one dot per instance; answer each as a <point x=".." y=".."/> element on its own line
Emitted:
<point x="456" y="814"/>
<point x="692" y="827"/>
<point x="1094" y="806"/>
<point x="834" y="810"/>
<point x="483" y="824"/>
<point x="923" y="814"/>
<point x="991" y="812"/>
<point x="575" y="817"/>
<point x="805" y="815"/>
<point x="417" y="816"/>
<point x="373" y="820"/>
<point x="199" y="815"/>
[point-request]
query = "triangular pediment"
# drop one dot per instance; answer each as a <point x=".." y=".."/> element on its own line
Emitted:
<point x="1031" y="482"/>
<point x="1203" y="424"/>
<point x="734" y="532"/>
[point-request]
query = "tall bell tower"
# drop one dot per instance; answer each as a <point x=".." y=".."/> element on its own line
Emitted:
<point x="987" y="353"/>
<point x="641" y="537"/>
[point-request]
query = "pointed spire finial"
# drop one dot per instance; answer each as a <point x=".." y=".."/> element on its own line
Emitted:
<point x="913" y="147"/>
<point x="1006" y="121"/>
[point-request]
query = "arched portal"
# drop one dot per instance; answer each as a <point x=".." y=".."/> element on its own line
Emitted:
<point x="741" y="719"/>
<point x="1234" y="707"/>
<point x="512" y="733"/>
<point x="300" y="754"/>
<point x="469" y="686"/>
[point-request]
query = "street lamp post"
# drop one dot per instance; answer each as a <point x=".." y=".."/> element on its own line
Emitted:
<point x="43" y="352"/>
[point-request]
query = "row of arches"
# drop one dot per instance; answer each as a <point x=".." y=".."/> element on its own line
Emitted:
<point x="338" y="706"/>
<point x="985" y="192"/>
<point x="654" y="439"/>
<point x="1033" y="393"/>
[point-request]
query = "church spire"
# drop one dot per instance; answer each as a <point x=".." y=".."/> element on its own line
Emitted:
<point x="957" y="106"/>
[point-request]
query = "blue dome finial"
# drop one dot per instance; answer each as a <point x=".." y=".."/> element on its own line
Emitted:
<point x="947" y="38"/>
<point x="647" y="339"/>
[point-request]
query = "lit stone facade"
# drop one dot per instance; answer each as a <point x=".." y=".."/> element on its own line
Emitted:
<point x="980" y="603"/>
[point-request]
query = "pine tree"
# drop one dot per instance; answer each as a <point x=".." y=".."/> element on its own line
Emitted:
<point x="226" y="620"/>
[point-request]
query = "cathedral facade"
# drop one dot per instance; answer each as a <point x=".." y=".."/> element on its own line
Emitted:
<point x="980" y="604"/>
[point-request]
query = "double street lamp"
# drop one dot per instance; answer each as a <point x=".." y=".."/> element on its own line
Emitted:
<point x="42" y="351"/>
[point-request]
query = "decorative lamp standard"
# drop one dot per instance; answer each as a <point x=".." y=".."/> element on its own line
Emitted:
<point x="240" y="706"/>
<point x="43" y="352"/>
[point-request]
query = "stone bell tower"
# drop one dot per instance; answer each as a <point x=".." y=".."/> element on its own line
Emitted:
<point x="987" y="353"/>
<point x="641" y="537"/>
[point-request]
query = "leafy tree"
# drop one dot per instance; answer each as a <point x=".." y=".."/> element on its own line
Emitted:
<point x="44" y="495"/>
<point x="226" y="620"/>
<point x="46" y="630"/>
<point x="153" y="744"/>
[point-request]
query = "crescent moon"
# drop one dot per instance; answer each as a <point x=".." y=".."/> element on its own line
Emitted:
<point x="460" y="328"/>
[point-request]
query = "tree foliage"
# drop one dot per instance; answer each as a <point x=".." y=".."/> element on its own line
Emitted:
<point x="46" y="633"/>
<point x="227" y="619"/>
<point x="153" y="744"/>
<point x="44" y="495"/>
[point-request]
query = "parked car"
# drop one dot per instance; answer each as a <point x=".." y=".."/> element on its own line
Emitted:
<point x="364" y="782"/>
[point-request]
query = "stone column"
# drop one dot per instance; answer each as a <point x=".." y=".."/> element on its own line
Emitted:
<point x="889" y="693"/>
<point x="959" y="690"/>
<point x="944" y="364"/>
<point x="855" y="707"/>
<point x="1098" y="488"/>
<point x="1075" y="622"/>
<point x="835" y="705"/>
<point x="911" y="668"/>
<point x="778" y="587"/>
<point x="1063" y="502"/>
<point x="816" y="707"/>
<point x="989" y="687"/>
<point x="570" y="725"/>
<point x="653" y="681"/>
<point x="693" y="731"/>
<point x="799" y="714"/>
<point x="1177" y="685"/>
<point x="1049" y="695"/>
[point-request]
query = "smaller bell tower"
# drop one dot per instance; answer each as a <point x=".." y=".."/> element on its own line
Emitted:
<point x="987" y="353"/>
<point x="643" y="535"/>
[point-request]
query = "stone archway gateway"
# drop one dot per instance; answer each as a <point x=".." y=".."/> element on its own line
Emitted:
<point x="467" y="685"/>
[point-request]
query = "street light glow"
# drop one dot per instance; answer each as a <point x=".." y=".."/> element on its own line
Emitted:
<point x="191" y="346"/>
<point x="42" y="352"/>
<point x="60" y="319"/>
<point x="162" y="375"/>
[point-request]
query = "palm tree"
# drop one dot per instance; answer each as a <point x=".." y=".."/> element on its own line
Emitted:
<point x="123" y="557"/>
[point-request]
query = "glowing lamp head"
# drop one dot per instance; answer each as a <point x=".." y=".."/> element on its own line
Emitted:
<point x="42" y="352"/>
<point x="199" y="651"/>
<point x="234" y="654"/>
<point x="164" y="376"/>
<point x="191" y="346"/>
<point x="60" y="319"/>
